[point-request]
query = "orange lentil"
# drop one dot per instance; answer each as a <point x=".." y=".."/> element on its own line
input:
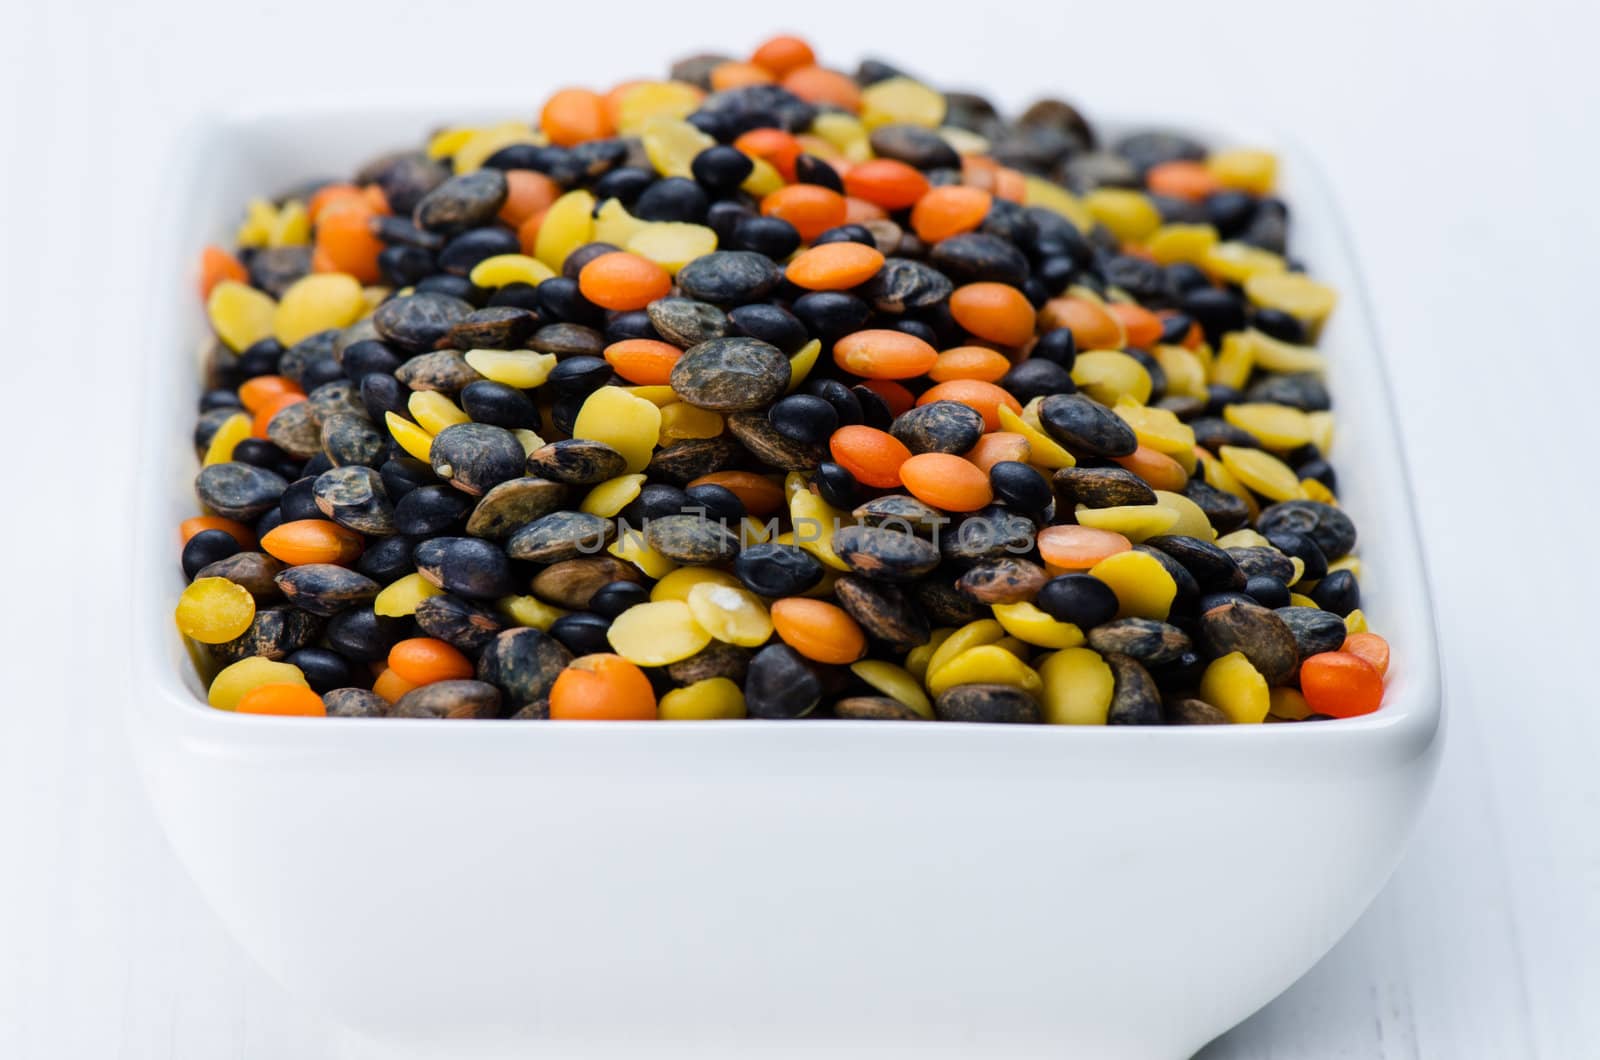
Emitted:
<point x="970" y="362"/>
<point x="575" y="115"/>
<point x="985" y="397"/>
<point x="1181" y="180"/>
<point x="758" y="493"/>
<point x="817" y="85"/>
<point x="271" y="408"/>
<point x="949" y="211"/>
<point x="424" y="660"/>
<point x="832" y="266"/>
<point x="527" y="192"/>
<point x="996" y="446"/>
<point x="1156" y="468"/>
<point x="773" y="145"/>
<point x="978" y="171"/>
<point x="255" y="392"/>
<point x="1079" y="547"/>
<point x="1092" y="325"/>
<point x="391" y="686"/>
<point x="818" y="630"/>
<point x="282" y="700"/>
<point x="878" y="353"/>
<point x="377" y="200"/>
<point x="997" y="312"/>
<point x="345" y="241"/>
<point x="330" y="198"/>
<point x="811" y="208"/>
<point x="887" y="182"/>
<point x="860" y="211"/>
<point x="1341" y="684"/>
<point x="872" y="456"/>
<point x="241" y="533"/>
<point x="1371" y="647"/>
<point x="602" y="687"/>
<point x="644" y="362"/>
<point x="947" y="482"/>
<point x="783" y="53"/>
<point x="897" y="397"/>
<point x="312" y="541"/>
<point x="1142" y="327"/>
<point x="734" y="74"/>
<point x="217" y="265"/>
<point x="1010" y="185"/>
<point x="622" y="281"/>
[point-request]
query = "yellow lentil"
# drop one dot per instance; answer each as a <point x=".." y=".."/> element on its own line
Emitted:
<point x="1276" y="426"/>
<point x="987" y="664"/>
<point x="611" y="496"/>
<point x="523" y="369"/>
<point x="400" y="597"/>
<point x="800" y="365"/>
<point x="671" y="145"/>
<point x="1043" y="450"/>
<point x="529" y="611"/>
<point x="1029" y="624"/>
<point x="657" y="633"/>
<point x="1237" y="262"/>
<point x="681" y="420"/>
<point x="917" y="658"/>
<point x="1144" y="588"/>
<point x="215" y="610"/>
<point x="234" y="429"/>
<point x="413" y="439"/>
<point x="655" y="99"/>
<point x="567" y="225"/>
<point x="896" y="683"/>
<point x="632" y="546"/>
<point x="1133" y="521"/>
<point x="1188" y="243"/>
<point x="1287" y="703"/>
<point x="713" y="699"/>
<point x="434" y="412"/>
<point x="1294" y="293"/>
<point x="972" y="635"/>
<point x="240" y="315"/>
<point x="1262" y="472"/>
<point x="501" y="269"/>
<point x="1192" y="520"/>
<point x="1110" y="375"/>
<point x="316" y="303"/>
<point x="630" y="425"/>
<point x="733" y="615"/>
<point x="1130" y="215"/>
<point x="1077" y="687"/>
<point x="680" y="583"/>
<point x="1243" y="168"/>
<point x="901" y="101"/>
<point x="1234" y="687"/>
<point x="672" y="244"/>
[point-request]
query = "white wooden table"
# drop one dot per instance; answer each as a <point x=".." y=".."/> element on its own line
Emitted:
<point x="1461" y="145"/>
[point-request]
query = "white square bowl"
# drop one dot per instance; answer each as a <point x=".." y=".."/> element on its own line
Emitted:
<point x="493" y="889"/>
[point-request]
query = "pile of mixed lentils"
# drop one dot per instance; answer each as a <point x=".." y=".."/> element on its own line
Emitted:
<point x="771" y="391"/>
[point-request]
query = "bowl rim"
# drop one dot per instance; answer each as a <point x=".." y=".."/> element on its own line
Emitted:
<point x="164" y="700"/>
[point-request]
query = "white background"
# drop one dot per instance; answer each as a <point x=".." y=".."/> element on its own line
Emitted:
<point x="1461" y="142"/>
